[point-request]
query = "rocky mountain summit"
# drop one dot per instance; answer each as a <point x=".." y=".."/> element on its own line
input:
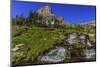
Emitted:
<point x="45" y="11"/>
<point x="48" y="18"/>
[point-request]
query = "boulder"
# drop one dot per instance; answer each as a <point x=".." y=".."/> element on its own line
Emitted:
<point x="78" y="39"/>
<point x="57" y="54"/>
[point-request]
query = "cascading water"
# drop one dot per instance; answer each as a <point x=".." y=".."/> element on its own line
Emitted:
<point x="89" y="53"/>
<point x="60" y="53"/>
<point x="55" y="55"/>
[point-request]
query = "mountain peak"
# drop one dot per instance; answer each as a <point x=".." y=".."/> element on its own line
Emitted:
<point x="45" y="11"/>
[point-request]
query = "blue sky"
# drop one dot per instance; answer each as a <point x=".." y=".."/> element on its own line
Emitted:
<point x="71" y="13"/>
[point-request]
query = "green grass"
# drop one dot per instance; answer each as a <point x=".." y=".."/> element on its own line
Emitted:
<point x="71" y="31"/>
<point x="38" y="40"/>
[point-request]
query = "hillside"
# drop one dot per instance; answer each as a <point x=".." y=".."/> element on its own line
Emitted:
<point x="45" y="38"/>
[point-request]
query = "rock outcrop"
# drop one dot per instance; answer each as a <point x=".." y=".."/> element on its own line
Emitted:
<point x="78" y="39"/>
<point x="75" y="47"/>
<point x="45" y="11"/>
<point x="57" y="54"/>
<point x="89" y="25"/>
<point x="48" y="18"/>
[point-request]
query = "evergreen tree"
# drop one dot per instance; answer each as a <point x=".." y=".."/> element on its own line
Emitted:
<point x="20" y="20"/>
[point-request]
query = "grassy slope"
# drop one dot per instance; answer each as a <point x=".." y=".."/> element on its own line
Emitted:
<point x="37" y="39"/>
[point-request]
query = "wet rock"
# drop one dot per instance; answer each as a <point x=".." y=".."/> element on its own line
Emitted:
<point x="77" y="38"/>
<point x="75" y="47"/>
<point x="80" y="46"/>
<point x="55" y="55"/>
<point x="76" y="53"/>
<point x="89" y="43"/>
<point x="72" y="39"/>
<point x="89" y="53"/>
